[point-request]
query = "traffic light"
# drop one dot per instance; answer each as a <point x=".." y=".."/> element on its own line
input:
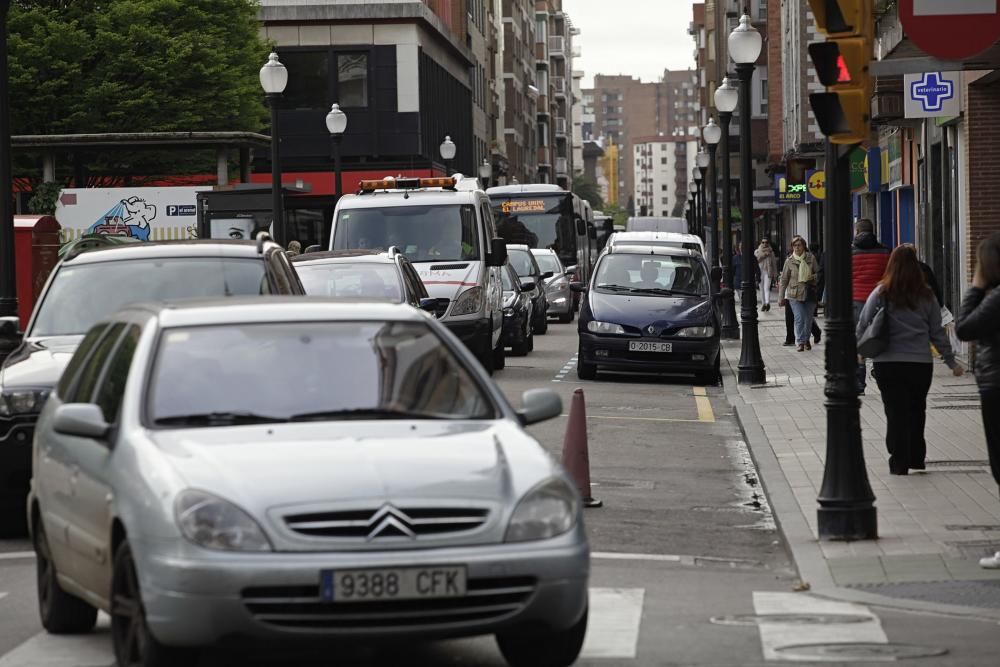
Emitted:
<point x="841" y="62"/>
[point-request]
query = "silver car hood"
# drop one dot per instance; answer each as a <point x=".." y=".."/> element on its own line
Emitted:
<point x="321" y="464"/>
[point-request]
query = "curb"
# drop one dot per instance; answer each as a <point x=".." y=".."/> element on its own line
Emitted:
<point x="806" y="554"/>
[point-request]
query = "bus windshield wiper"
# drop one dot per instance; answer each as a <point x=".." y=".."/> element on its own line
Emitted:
<point x="218" y="419"/>
<point x="364" y="413"/>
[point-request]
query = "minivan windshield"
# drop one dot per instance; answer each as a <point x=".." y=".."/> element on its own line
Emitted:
<point x="397" y="370"/>
<point x="83" y="294"/>
<point x="445" y="233"/>
<point x="652" y="275"/>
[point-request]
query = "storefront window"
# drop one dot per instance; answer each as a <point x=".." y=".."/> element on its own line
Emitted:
<point x="352" y="79"/>
<point x="308" y="80"/>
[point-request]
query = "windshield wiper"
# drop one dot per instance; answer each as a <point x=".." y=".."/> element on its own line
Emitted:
<point x="615" y="288"/>
<point x="218" y="419"/>
<point x="363" y="413"/>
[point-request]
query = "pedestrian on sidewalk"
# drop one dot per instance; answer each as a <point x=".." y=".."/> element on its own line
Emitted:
<point x="798" y="289"/>
<point x="817" y="252"/>
<point x="979" y="320"/>
<point x="868" y="259"/>
<point x="737" y="269"/>
<point x="767" y="264"/>
<point x="904" y="370"/>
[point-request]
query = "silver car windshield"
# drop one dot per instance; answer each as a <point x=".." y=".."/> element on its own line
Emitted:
<point x="315" y="371"/>
<point x="336" y="279"/>
<point x="422" y="233"/>
<point x="652" y="274"/>
<point x="87" y="293"/>
<point x="548" y="263"/>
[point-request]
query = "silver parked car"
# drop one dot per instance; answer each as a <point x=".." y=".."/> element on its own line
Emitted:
<point x="282" y="469"/>
<point x="557" y="293"/>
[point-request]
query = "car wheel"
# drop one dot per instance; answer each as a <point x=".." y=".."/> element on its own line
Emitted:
<point x="527" y="342"/>
<point x="133" y="644"/>
<point x="549" y="649"/>
<point x="542" y="325"/>
<point x="566" y="318"/>
<point x="60" y="612"/>
<point x="585" y="371"/>
<point x="531" y="338"/>
<point x="499" y="356"/>
<point x="712" y="377"/>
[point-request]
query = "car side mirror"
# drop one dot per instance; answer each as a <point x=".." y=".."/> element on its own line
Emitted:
<point x="313" y="248"/>
<point x="578" y="287"/>
<point x="581" y="227"/>
<point x="527" y="285"/>
<point x="498" y="253"/>
<point x="547" y="275"/>
<point x="538" y="405"/>
<point x="10" y="328"/>
<point x="82" y="420"/>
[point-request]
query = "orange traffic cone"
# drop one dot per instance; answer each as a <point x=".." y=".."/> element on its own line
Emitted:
<point x="576" y="458"/>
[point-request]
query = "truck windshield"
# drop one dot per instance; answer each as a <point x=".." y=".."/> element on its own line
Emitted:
<point x="422" y="233"/>
<point x="84" y="294"/>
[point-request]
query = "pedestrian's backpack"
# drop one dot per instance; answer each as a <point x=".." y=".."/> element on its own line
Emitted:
<point x="875" y="339"/>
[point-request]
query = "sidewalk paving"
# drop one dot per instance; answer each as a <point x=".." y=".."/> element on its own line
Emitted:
<point x="933" y="526"/>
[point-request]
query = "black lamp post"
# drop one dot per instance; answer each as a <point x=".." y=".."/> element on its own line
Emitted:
<point x="727" y="96"/>
<point x="744" y="48"/>
<point x="273" y="79"/>
<point x="693" y="191"/>
<point x="703" y="161"/>
<point x="8" y="277"/>
<point x="846" y="502"/>
<point x="448" y="151"/>
<point x="699" y="182"/>
<point x="336" y="123"/>
<point x="712" y="134"/>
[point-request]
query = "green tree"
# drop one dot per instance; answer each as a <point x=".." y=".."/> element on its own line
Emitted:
<point x="618" y="214"/>
<point x="97" y="66"/>
<point x="587" y="189"/>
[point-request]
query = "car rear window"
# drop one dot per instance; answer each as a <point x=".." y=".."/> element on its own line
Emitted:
<point x="342" y="279"/>
<point x="84" y="294"/>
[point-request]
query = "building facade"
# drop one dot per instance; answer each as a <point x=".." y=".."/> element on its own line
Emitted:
<point x="554" y="33"/>
<point x="521" y="96"/>
<point x="662" y="165"/>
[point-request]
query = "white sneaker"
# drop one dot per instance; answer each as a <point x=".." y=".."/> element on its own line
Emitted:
<point x="990" y="562"/>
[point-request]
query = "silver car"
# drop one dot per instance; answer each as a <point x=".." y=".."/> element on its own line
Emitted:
<point x="557" y="292"/>
<point x="283" y="469"/>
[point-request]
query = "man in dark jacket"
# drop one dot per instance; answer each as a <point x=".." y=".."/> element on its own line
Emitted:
<point x="869" y="259"/>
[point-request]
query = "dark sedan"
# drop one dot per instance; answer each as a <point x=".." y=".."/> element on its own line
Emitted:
<point x="518" y="329"/>
<point x="648" y="310"/>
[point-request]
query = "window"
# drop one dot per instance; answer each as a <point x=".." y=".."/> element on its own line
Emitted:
<point x="663" y="187"/>
<point x="341" y="279"/>
<point x="352" y="79"/>
<point x="112" y="389"/>
<point x="423" y="233"/>
<point x="81" y="354"/>
<point x="82" y="390"/>
<point x="308" y="87"/>
<point x="663" y="160"/>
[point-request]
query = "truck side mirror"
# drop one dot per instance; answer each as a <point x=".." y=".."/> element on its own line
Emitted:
<point x="498" y="253"/>
<point x="581" y="227"/>
<point x="10" y="328"/>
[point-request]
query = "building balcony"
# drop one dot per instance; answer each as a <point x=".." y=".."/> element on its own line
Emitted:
<point x="542" y="53"/>
<point x="544" y="157"/>
<point x="557" y="46"/>
<point x="562" y="166"/>
<point x="560" y="127"/>
<point x="559" y="86"/>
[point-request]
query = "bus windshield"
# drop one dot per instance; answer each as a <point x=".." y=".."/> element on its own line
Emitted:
<point x="422" y="233"/>
<point x="538" y="222"/>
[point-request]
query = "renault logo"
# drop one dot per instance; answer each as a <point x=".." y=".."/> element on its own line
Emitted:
<point x="390" y="522"/>
<point x="651" y="330"/>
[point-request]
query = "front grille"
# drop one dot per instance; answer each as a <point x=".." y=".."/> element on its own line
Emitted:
<point x="388" y="522"/>
<point x="301" y="608"/>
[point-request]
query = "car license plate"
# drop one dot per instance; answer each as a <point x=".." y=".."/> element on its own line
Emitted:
<point x="638" y="346"/>
<point x="416" y="583"/>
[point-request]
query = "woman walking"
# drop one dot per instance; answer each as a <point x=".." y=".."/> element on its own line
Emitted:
<point x="798" y="289"/>
<point x="768" y="265"/>
<point x="979" y="320"/>
<point x="905" y="368"/>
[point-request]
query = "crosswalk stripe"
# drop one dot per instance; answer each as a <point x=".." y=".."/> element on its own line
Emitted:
<point x="613" y="626"/>
<point x="612" y="632"/>
<point x="774" y="636"/>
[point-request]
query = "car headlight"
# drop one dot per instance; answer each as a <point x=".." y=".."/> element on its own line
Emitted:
<point x="470" y="301"/>
<point x="605" y="328"/>
<point x="22" y="401"/>
<point x="548" y="510"/>
<point x="214" y="523"/>
<point x="696" y="332"/>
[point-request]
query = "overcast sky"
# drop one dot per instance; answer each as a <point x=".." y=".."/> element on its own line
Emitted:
<point x="636" y="37"/>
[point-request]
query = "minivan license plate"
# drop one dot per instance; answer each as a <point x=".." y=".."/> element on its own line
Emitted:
<point x="416" y="583"/>
<point x="638" y="346"/>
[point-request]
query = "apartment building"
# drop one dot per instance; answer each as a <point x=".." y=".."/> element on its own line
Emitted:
<point x="662" y="165"/>
<point x="521" y="95"/>
<point x="554" y="33"/>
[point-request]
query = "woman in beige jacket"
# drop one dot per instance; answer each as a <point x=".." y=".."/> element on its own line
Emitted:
<point x="798" y="289"/>
<point x="768" y="265"/>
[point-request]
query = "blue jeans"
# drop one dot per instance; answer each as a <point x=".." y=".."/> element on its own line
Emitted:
<point x="804" y="312"/>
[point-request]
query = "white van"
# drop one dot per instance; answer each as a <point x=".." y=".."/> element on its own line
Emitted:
<point x="670" y="239"/>
<point x="445" y="227"/>
<point x="654" y="224"/>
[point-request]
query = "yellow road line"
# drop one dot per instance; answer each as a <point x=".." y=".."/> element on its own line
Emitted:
<point x="705" y="413"/>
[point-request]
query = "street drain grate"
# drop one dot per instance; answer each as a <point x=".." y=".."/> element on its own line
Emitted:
<point x="790" y="619"/>
<point x="859" y="652"/>
<point x="981" y="527"/>
<point x="973" y="463"/>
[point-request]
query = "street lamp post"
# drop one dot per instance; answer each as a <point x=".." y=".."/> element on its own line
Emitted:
<point x="336" y="123"/>
<point x="486" y="172"/>
<point x="703" y="160"/>
<point x="699" y="181"/>
<point x="727" y="96"/>
<point x="693" y="191"/>
<point x="8" y="277"/>
<point x="448" y="151"/>
<point x="273" y="79"/>
<point x="712" y="134"/>
<point x="744" y="48"/>
<point x="846" y="502"/>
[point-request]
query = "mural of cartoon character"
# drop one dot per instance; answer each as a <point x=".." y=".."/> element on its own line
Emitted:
<point x="129" y="217"/>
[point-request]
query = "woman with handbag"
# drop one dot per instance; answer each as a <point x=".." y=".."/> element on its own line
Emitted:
<point x="899" y="322"/>
<point x="979" y="320"/>
<point x="798" y="289"/>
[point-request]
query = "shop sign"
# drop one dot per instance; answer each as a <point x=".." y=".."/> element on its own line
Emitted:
<point x="815" y="185"/>
<point x="931" y="95"/>
<point x="857" y="158"/>
<point x="891" y="142"/>
<point x="787" y="194"/>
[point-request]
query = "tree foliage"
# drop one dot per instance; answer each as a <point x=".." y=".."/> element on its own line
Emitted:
<point x="97" y="66"/>
<point x="618" y="214"/>
<point x="588" y="189"/>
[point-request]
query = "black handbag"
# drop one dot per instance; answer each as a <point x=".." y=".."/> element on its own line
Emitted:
<point x="874" y="340"/>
